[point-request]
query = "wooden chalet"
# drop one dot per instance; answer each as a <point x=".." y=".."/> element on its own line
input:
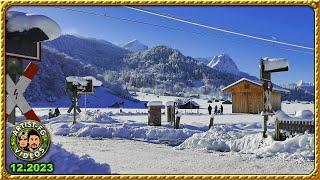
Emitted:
<point x="247" y="96"/>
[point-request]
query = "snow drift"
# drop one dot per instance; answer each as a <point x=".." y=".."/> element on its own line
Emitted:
<point x="302" y="115"/>
<point x="239" y="137"/>
<point x="101" y="125"/>
<point x="300" y="147"/>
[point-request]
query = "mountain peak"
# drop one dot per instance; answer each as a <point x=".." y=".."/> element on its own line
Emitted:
<point x="302" y="83"/>
<point x="135" y="46"/>
<point x="224" y="63"/>
<point x="134" y="41"/>
<point x="224" y="55"/>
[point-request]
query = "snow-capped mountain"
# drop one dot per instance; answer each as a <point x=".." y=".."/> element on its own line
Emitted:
<point x="300" y="90"/>
<point x="204" y="60"/>
<point x="99" y="53"/>
<point x="49" y="82"/>
<point x="158" y="69"/>
<point x="135" y="46"/>
<point x="301" y="83"/>
<point x="165" y="68"/>
<point x="224" y="63"/>
<point x="71" y="55"/>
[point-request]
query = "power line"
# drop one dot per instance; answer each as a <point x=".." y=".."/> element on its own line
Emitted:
<point x="215" y="28"/>
<point x="157" y="25"/>
<point x="131" y="20"/>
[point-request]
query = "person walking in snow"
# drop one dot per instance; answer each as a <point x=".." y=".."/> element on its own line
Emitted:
<point x="56" y="112"/>
<point x="51" y="115"/>
<point x="221" y="109"/>
<point x="209" y="109"/>
<point x="216" y="109"/>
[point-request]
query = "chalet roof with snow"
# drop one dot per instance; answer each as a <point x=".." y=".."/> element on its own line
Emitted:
<point x="154" y="103"/>
<point x="188" y="105"/>
<point x="256" y="82"/>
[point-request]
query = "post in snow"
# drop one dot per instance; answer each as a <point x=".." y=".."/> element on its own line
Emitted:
<point x="267" y="66"/>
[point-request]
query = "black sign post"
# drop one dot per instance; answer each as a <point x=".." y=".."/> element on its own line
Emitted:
<point x="74" y="91"/>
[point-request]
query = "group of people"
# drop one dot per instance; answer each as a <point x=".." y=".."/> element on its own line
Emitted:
<point x="56" y="113"/>
<point x="29" y="141"/>
<point x="216" y="111"/>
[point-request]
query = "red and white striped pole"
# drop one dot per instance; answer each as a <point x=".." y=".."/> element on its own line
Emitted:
<point x="15" y="93"/>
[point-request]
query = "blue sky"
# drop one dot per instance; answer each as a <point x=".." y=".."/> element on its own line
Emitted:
<point x="289" y="24"/>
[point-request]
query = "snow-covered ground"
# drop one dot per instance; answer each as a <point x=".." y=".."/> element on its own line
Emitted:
<point x="101" y="98"/>
<point x="133" y="147"/>
<point x="134" y="157"/>
<point x="234" y="144"/>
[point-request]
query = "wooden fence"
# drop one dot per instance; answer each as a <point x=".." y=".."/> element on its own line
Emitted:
<point x="292" y="127"/>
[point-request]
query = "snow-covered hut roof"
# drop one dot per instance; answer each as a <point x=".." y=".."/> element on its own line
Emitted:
<point x="77" y="80"/>
<point x="19" y="22"/>
<point x="257" y="82"/>
<point x="83" y="80"/>
<point x="154" y="103"/>
<point x="183" y="103"/>
<point x="95" y="82"/>
<point x="194" y="103"/>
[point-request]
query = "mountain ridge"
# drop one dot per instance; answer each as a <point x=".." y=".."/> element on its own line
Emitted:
<point x="157" y="70"/>
<point x="135" y="46"/>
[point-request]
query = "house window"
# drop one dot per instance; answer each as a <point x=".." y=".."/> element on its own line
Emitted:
<point x="246" y="86"/>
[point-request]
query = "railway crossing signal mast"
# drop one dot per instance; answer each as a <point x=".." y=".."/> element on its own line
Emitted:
<point x="24" y="34"/>
<point x="75" y="87"/>
<point x="268" y="66"/>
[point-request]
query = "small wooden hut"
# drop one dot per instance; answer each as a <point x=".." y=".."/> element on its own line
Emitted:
<point x="247" y="96"/>
<point x="154" y="113"/>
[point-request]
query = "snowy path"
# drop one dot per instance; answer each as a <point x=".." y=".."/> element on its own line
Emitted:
<point x="136" y="157"/>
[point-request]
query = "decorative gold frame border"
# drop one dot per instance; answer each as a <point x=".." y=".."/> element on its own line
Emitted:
<point x="7" y="4"/>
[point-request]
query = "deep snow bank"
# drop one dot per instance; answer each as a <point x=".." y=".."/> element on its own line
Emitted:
<point x="214" y="139"/>
<point x="300" y="147"/>
<point x="302" y="115"/>
<point x="100" y="125"/>
<point x="64" y="161"/>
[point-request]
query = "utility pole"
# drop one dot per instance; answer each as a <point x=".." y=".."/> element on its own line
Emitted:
<point x="267" y="66"/>
<point x="266" y="78"/>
